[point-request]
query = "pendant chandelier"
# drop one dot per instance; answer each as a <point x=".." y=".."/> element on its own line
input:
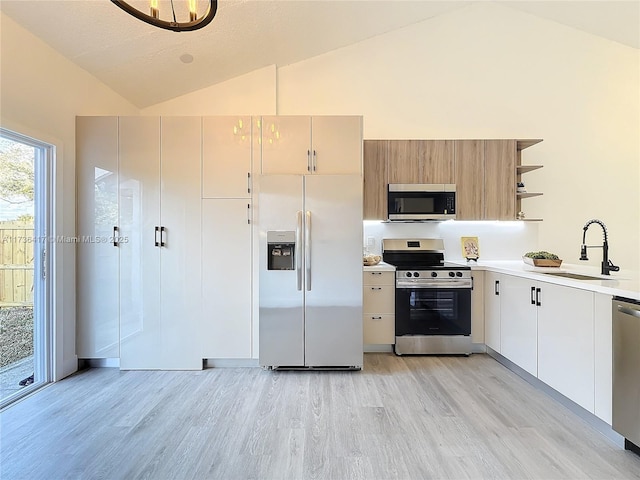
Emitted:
<point x="153" y="18"/>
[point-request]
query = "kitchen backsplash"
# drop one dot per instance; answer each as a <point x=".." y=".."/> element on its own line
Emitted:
<point x="497" y="240"/>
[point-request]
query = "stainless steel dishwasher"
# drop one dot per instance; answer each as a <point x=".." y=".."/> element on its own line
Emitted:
<point x="626" y="371"/>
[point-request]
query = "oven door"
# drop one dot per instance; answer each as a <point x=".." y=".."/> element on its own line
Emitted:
<point x="433" y="311"/>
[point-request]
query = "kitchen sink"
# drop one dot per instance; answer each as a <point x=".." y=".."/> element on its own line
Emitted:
<point x="576" y="276"/>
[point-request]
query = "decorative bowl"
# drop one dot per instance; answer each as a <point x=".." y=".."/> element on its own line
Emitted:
<point x="541" y="262"/>
<point x="370" y="260"/>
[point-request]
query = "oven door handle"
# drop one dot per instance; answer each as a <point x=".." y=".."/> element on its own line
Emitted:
<point x="437" y="284"/>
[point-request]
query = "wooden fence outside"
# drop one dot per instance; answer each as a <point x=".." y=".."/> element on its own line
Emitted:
<point x="16" y="263"/>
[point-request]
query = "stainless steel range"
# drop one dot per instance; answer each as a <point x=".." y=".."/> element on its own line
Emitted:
<point x="433" y="298"/>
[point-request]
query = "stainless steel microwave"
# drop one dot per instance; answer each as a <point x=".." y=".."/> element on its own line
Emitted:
<point x="421" y="202"/>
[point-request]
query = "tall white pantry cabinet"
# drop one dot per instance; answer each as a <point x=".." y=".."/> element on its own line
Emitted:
<point x="226" y="238"/>
<point x="160" y="257"/>
<point x="139" y="294"/>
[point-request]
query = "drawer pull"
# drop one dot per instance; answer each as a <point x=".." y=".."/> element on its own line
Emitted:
<point x="375" y="273"/>
<point x="376" y="318"/>
<point x="376" y="288"/>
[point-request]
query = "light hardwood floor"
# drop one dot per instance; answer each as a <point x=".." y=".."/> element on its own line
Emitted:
<point x="401" y="417"/>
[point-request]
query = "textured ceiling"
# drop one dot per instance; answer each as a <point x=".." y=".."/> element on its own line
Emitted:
<point x="142" y="63"/>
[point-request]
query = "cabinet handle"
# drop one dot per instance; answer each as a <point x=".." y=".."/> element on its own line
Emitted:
<point x="248" y="182"/>
<point x="533" y="295"/>
<point x="162" y="241"/>
<point x="496" y="287"/>
<point x="538" y="303"/>
<point x="308" y="160"/>
<point x="115" y="236"/>
<point x="375" y="273"/>
<point x="376" y="288"/>
<point x="376" y="318"/>
<point x="314" y="160"/>
<point x="248" y="213"/>
<point x="155" y="236"/>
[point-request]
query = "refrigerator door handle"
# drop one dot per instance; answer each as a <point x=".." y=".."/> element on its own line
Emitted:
<point x="298" y="249"/>
<point x="307" y="250"/>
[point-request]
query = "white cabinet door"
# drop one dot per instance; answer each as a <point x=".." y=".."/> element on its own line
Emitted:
<point x="180" y="261"/>
<point x="565" y="342"/>
<point x="226" y="157"/>
<point x="518" y="322"/>
<point x="603" y="342"/>
<point x="286" y="145"/>
<point x="492" y="310"/>
<point x="226" y="279"/>
<point x="97" y="322"/>
<point x="160" y="260"/>
<point x="477" y="307"/>
<point x="336" y="145"/>
<point x="139" y="195"/>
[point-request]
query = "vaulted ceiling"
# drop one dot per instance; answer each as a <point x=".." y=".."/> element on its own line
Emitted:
<point x="148" y="65"/>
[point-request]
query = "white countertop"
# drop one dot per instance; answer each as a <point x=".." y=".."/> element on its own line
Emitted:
<point x="622" y="284"/>
<point x="381" y="267"/>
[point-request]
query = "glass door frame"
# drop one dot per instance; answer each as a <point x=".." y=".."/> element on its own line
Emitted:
<point x="44" y="251"/>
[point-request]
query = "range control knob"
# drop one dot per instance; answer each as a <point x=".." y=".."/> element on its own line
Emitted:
<point x="408" y="274"/>
<point x="458" y="274"/>
<point x="434" y="274"/>
<point x="416" y="274"/>
<point x="452" y="274"/>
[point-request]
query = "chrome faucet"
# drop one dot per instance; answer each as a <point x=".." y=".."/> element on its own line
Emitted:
<point x="607" y="265"/>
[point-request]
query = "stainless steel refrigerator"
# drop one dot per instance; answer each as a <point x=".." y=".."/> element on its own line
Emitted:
<point x="310" y="282"/>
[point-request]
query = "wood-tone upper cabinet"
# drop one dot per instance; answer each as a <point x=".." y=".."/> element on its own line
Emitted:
<point x="302" y="145"/>
<point x="226" y="157"/>
<point x="500" y="179"/>
<point x="421" y="161"/>
<point x="485" y="179"/>
<point x="375" y="179"/>
<point x="469" y="176"/>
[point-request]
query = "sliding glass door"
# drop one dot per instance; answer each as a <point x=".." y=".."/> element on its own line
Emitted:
<point x="25" y="313"/>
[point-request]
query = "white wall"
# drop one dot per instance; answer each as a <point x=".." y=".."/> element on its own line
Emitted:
<point x="41" y="95"/>
<point x="488" y="71"/>
<point x="251" y="94"/>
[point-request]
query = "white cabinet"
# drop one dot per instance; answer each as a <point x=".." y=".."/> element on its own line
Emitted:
<point x="561" y="335"/>
<point x="226" y="157"/>
<point x="477" y="307"/>
<point x="226" y="279"/>
<point x="160" y="277"/>
<point x="226" y="330"/>
<point x="603" y="342"/>
<point x="518" y="322"/>
<point x="97" y="325"/>
<point x="330" y="145"/>
<point x="492" y="310"/>
<point x="378" y="307"/>
<point x="565" y="342"/>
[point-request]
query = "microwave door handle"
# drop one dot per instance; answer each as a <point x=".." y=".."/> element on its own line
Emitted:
<point x="307" y="250"/>
<point x="298" y="250"/>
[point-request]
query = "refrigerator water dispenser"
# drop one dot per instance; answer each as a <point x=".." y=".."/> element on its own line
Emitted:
<point x="281" y="247"/>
